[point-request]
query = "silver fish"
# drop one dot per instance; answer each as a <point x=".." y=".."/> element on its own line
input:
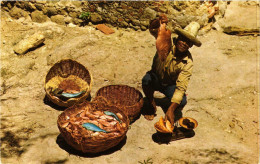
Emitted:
<point x="72" y="95"/>
<point x="60" y="93"/>
<point x="93" y="127"/>
<point x="113" y="115"/>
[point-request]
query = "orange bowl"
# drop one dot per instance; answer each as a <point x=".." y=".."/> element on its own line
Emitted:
<point x="189" y="119"/>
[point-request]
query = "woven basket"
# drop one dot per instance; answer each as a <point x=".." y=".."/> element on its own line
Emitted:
<point x="127" y="98"/>
<point x="100" y="99"/>
<point x="90" y="144"/>
<point x="70" y="74"/>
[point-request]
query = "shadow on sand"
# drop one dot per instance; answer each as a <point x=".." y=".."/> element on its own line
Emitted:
<point x="63" y="145"/>
<point x="164" y="103"/>
<point x="178" y="134"/>
<point x="48" y="102"/>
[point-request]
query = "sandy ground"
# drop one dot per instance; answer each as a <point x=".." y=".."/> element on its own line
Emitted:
<point x="222" y="96"/>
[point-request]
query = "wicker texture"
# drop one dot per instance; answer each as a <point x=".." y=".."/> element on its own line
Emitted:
<point x="71" y="71"/>
<point x="100" y="99"/>
<point x="93" y="144"/>
<point x="127" y="98"/>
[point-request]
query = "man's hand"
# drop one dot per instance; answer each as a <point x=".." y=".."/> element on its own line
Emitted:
<point x="163" y="41"/>
<point x="156" y="23"/>
<point x="163" y="18"/>
<point x="170" y="112"/>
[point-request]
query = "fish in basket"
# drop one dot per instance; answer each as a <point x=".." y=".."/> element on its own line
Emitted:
<point x="128" y="99"/>
<point x="68" y="82"/>
<point x="92" y="127"/>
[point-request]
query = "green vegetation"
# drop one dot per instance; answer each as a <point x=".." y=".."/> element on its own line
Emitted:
<point x="85" y="16"/>
<point x="148" y="161"/>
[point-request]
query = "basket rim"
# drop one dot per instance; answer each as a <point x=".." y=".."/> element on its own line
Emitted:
<point x="118" y="138"/>
<point x="58" y="101"/>
<point x="67" y="59"/>
<point x="122" y="85"/>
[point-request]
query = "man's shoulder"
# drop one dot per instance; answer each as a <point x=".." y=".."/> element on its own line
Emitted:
<point x="189" y="57"/>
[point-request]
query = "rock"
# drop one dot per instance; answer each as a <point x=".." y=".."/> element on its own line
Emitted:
<point x="171" y="25"/>
<point x="67" y="20"/>
<point x="77" y="4"/>
<point x="183" y="20"/>
<point x="136" y="28"/>
<point x="29" y="6"/>
<point x="217" y="27"/>
<point x="39" y="6"/>
<point x="59" y="19"/>
<point x="48" y="34"/>
<point x="63" y="12"/>
<point x="72" y="25"/>
<point x="50" y="11"/>
<point x="112" y="19"/>
<point x="179" y="5"/>
<point x="222" y="7"/>
<point x="77" y="21"/>
<point x="202" y="20"/>
<point x="162" y="9"/>
<point x="205" y="29"/>
<point x="235" y="14"/>
<point x="42" y="2"/>
<point x="69" y="8"/>
<point x="149" y="14"/>
<point x="135" y="22"/>
<point x="19" y="4"/>
<point x="9" y="5"/>
<point x="5" y="9"/>
<point x="74" y="14"/>
<point x="17" y="13"/>
<point x="123" y="24"/>
<point x="119" y="10"/>
<point x="145" y="23"/>
<point x="53" y="31"/>
<point x="28" y="43"/>
<point x="38" y="16"/>
<point x="143" y="28"/>
<point x="105" y="29"/>
<point x="172" y="12"/>
<point x="96" y="18"/>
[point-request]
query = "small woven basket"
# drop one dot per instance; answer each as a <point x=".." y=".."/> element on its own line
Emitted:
<point x="128" y="99"/>
<point x="90" y="144"/>
<point x="68" y="74"/>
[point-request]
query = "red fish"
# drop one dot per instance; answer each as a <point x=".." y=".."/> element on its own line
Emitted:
<point x="163" y="42"/>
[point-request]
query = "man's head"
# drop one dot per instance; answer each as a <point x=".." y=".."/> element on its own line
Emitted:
<point x="187" y="37"/>
<point x="183" y="44"/>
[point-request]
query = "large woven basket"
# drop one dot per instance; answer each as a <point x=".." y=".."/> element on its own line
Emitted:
<point x="68" y="73"/>
<point x="88" y="144"/>
<point x="128" y="99"/>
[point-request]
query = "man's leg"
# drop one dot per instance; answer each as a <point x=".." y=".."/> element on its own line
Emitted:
<point x="168" y="92"/>
<point x="148" y="90"/>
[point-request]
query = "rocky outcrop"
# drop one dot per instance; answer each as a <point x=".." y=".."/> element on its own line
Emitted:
<point x="236" y="14"/>
<point x="29" y="43"/>
<point x="38" y="16"/>
<point x="125" y="14"/>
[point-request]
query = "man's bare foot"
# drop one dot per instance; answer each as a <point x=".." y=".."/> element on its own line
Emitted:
<point x="150" y="112"/>
<point x="149" y="117"/>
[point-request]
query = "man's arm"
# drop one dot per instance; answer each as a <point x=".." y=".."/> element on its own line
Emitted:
<point x="181" y="86"/>
<point x="170" y="112"/>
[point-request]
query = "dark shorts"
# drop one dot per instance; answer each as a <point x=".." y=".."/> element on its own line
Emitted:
<point x="152" y="80"/>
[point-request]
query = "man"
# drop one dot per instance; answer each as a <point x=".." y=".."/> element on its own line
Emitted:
<point x="171" y="68"/>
